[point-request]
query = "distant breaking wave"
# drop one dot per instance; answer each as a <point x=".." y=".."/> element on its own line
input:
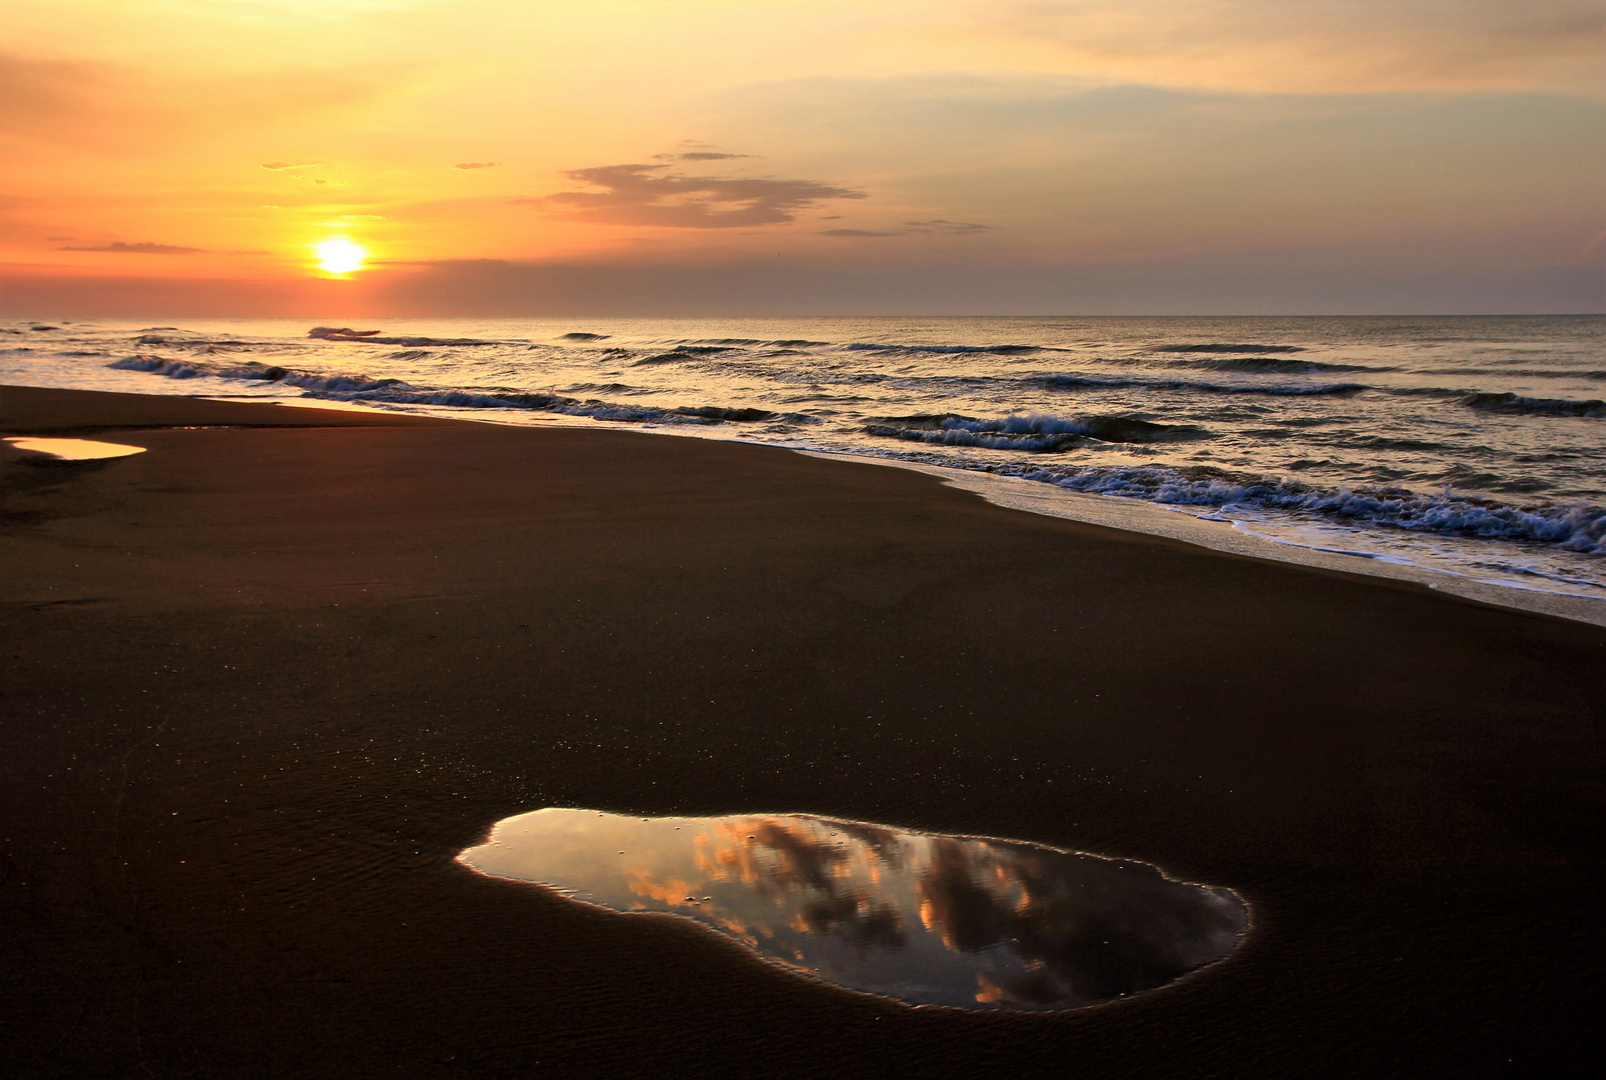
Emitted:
<point x="1527" y="406"/>
<point x="1094" y="382"/>
<point x="361" y="388"/>
<point x="1273" y="364"/>
<point x="758" y="343"/>
<point x="947" y="350"/>
<point x="373" y="337"/>
<point x="1032" y="433"/>
<point x="1223" y="347"/>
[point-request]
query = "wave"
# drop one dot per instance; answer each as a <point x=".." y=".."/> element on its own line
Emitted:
<point x="157" y="365"/>
<point x="582" y="336"/>
<point x="361" y="388"/>
<point x="664" y="358"/>
<point x="1032" y="433"/>
<point x="1527" y="406"/>
<point x="252" y="372"/>
<point x="1525" y="373"/>
<point x="1101" y="382"/>
<point x="1224" y="347"/>
<point x="714" y="412"/>
<point x="739" y="342"/>
<point x="207" y="344"/>
<point x="1574" y="526"/>
<point x="1276" y="364"/>
<point x="376" y="337"/>
<point x="995" y="350"/>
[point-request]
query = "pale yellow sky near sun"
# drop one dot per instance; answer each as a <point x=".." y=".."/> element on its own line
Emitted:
<point x="1354" y="132"/>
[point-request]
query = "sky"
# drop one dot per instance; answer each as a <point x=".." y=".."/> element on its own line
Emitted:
<point x="714" y="157"/>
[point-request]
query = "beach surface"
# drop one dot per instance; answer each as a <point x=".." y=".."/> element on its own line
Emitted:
<point x="264" y="681"/>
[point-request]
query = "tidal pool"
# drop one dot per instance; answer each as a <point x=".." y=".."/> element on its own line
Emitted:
<point x="927" y="919"/>
<point x="74" y="449"/>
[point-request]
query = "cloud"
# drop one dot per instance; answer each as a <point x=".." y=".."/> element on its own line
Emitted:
<point x="475" y="165"/>
<point x="277" y="165"/>
<point x="710" y="155"/>
<point x="1321" y="44"/>
<point x="46" y="99"/>
<point x="1594" y="253"/>
<point x="936" y="225"/>
<point x="141" y="249"/>
<point x="957" y="228"/>
<point x="650" y="195"/>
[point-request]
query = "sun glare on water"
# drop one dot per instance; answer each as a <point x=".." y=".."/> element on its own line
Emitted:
<point x="340" y="256"/>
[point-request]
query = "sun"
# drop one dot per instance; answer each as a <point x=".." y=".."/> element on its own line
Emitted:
<point x="340" y="256"/>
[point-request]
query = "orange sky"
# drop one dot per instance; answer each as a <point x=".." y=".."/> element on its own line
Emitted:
<point x="165" y="156"/>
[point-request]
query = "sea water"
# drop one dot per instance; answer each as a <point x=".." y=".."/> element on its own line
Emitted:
<point x="1472" y="445"/>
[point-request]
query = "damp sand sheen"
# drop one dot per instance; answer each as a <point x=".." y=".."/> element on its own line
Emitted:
<point x="926" y="919"/>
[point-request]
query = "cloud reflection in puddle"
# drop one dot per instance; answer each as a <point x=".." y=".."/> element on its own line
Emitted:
<point x="927" y="919"/>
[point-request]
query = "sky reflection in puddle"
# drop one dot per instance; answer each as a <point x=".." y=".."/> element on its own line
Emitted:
<point x="931" y="920"/>
<point x="73" y="449"/>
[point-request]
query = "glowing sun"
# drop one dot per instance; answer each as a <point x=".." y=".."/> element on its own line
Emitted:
<point x="340" y="256"/>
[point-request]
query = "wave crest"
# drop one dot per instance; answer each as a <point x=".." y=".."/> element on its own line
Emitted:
<point x="1032" y="433"/>
<point x="1527" y="406"/>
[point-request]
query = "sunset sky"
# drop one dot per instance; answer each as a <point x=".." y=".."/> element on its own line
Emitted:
<point x="505" y="157"/>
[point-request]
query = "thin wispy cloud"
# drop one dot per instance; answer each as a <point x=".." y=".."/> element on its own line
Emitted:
<point x="141" y="249"/>
<point x="44" y="98"/>
<point x="1328" y="44"/>
<point x="118" y="247"/>
<point x="1594" y="253"/>
<point x="275" y="166"/>
<point x="934" y="226"/>
<point x="956" y="228"/>
<point x="475" y="165"/>
<point x="654" y="195"/>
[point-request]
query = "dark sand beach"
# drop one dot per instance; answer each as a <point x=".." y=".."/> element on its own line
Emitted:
<point x="263" y="682"/>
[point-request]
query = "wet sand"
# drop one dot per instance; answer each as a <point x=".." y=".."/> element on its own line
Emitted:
<point x="264" y="681"/>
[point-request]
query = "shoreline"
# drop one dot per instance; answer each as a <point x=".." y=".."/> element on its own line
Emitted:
<point x="1129" y="515"/>
<point x="1366" y="472"/>
<point x="1156" y="519"/>
<point x="267" y="679"/>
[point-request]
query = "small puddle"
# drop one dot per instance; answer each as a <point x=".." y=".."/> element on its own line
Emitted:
<point x="930" y="920"/>
<point x="74" y="449"/>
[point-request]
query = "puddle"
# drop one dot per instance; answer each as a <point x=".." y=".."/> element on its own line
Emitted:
<point x="930" y="920"/>
<point x="74" y="449"/>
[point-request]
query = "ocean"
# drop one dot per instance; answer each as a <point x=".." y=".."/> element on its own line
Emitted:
<point x="1469" y="446"/>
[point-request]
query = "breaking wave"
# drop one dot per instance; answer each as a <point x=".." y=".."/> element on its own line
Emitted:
<point x="1527" y="406"/>
<point x="1272" y="364"/>
<point x="1224" y="347"/>
<point x="368" y="391"/>
<point x="1576" y="526"/>
<point x="376" y="337"/>
<point x="947" y="350"/>
<point x="1032" y="433"/>
<point x="1099" y="382"/>
<point x="757" y="343"/>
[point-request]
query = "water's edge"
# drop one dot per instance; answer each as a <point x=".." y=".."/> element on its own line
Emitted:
<point x="1136" y="516"/>
<point x="1127" y="515"/>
